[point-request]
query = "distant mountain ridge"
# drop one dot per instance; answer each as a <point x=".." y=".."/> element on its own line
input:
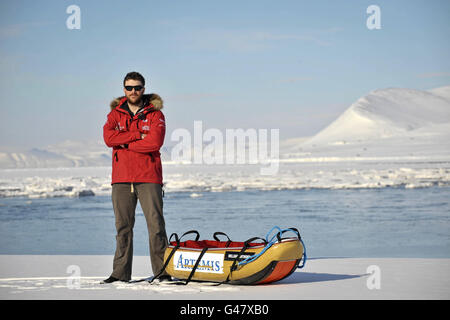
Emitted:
<point x="68" y="153"/>
<point x="387" y="113"/>
<point x="384" y="122"/>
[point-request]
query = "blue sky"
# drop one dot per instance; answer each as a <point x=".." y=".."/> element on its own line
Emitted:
<point x="289" y="65"/>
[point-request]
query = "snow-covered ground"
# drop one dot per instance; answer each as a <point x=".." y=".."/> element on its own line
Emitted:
<point x="78" y="277"/>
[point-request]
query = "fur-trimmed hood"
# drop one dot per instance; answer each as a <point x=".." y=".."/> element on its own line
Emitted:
<point x="152" y="98"/>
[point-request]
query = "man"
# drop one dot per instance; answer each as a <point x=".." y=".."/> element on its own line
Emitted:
<point x="135" y="130"/>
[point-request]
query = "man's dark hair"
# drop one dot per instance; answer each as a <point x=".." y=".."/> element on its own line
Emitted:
<point x="134" y="76"/>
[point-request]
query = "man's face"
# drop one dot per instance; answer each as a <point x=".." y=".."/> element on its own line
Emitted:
<point x="134" y="96"/>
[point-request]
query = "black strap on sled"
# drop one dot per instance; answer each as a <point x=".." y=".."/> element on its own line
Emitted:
<point x="223" y="234"/>
<point x="177" y="246"/>
<point x="166" y="263"/>
<point x="199" y="257"/>
<point x="195" y="266"/>
<point x="245" y="247"/>
<point x="235" y="261"/>
<point x="189" y="232"/>
<point x="279" y="234"/>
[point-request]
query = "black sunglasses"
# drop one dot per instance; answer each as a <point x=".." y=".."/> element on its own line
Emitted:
<point x="136" y="88"/>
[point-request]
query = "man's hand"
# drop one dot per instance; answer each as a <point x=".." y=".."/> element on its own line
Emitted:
<point x="143" y="135"/>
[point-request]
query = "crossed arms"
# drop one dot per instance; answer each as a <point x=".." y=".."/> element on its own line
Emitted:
<point x="136" y="141"/>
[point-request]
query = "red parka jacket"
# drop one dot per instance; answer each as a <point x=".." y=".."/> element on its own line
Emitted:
<point x="135" y="159"/>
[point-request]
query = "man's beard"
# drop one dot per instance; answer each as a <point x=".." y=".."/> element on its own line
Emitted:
<point x="132" y="100"/>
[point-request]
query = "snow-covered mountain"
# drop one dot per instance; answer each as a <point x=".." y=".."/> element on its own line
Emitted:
<point x="389" y="112"/>
<point x="386" y="122"/>
<point x="65" y="154"/>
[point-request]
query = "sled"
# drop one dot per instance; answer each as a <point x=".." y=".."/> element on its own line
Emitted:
<point x="255" y="261"/>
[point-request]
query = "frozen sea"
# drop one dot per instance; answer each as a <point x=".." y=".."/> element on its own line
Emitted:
<point x="364" y="222"/>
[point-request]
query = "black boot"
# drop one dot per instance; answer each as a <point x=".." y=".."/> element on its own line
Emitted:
<point x="111" y="279"/>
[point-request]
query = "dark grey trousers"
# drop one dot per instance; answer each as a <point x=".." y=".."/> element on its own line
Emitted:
<point x="124" y="199"/>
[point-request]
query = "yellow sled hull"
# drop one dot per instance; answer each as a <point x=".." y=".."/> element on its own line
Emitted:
<point x="276" y="263"/>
